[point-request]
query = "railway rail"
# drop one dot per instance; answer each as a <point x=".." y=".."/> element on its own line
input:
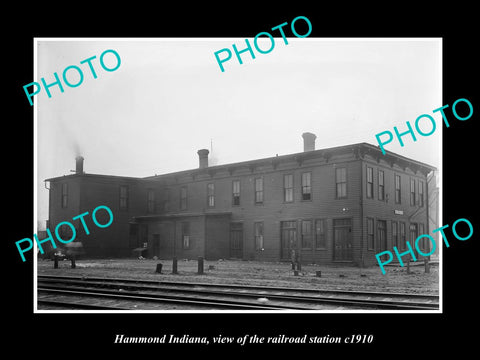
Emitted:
<point x="125" y="294"/>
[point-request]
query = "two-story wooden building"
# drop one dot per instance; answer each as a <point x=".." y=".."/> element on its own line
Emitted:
<point x="341" y="204"/>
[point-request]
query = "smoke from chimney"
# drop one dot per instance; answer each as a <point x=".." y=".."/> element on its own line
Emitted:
<point x="76" y="148"/>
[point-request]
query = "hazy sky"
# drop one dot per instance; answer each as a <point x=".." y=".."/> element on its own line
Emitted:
<point x="169" y="99"/>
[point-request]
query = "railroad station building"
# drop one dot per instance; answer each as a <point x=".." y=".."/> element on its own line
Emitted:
<point x="340" y="204"/>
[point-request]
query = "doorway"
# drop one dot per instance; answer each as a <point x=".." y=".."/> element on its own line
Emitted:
<point x="236" y="240"/>
<point x="342" y="240"/>
<point x="288" y="239"/>
<point x="381" y="236"/>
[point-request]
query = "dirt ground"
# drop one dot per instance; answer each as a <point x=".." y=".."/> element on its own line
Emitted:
<point x="396" y="278"/>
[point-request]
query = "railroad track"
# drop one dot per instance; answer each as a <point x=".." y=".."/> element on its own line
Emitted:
<point x="125" y="294"/>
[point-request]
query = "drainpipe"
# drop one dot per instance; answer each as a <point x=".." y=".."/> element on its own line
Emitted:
<point x="426" y="204"/>
<point x="175" y="238"/>
<point x="361" y="214"/>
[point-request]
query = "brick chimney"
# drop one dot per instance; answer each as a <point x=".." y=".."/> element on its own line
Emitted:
<point x="79" y="165"/>
<point x="203" y="158"/>
<point x="308" y="141"/>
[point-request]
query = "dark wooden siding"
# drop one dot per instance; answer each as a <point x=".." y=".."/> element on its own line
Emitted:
<point x="274" y="210"/>
<point x="210" y="228"/>
<point x="385" y="209"/>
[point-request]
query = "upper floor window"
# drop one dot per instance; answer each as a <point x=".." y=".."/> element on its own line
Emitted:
<point x="211" y="195"/>
<point x="307" y="186"/>
<point x="236" y="192"/>
<point x="381" y="185"/>
<point x="369" y="182"/>
<point x="64" y="195"/>
<point x="166" y="200"/>
<point x="412" y="192"/>
<point x="258" y="190"/>
<point x="123" y="197"/>
<point x="288" y="188"/>
<point x="151" y="201"/>
<point x="341" y="182"/>
<point x="398" y="190"/>
<point x="183" y="198"/>
<point x="420" y="193"/>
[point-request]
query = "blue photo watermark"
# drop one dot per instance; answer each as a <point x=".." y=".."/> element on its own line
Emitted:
<point x="410" y="251"/>
<point x="67" y="77"/>
<point x="227" y="53"/>
<point x="50" y="239"/>
<point x="388" y="135"/>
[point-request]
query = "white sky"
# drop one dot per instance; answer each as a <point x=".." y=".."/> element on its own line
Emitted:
<point x="169" y="99"/>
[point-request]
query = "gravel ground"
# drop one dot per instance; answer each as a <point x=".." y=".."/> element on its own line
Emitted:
<point x="396" y="278"/>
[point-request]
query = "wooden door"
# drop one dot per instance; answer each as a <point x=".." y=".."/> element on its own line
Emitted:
<point x="342" y="238"/>
<point x="236" y="240"/>
<point x="288" y="239"/>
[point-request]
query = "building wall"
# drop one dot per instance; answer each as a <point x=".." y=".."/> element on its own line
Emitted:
<point x="433" y="210"/>
<point x="87" y="193"/>
<point x="385" y="210"/>
<point x="112" y="241"/>
<point x="188" y="236"/>
<point x="274" y="209"/>
<point x="165" y="238"/>
<point x="217" y="237"/>
<point x="213" y="229"/>
<point x="59" y="213"/>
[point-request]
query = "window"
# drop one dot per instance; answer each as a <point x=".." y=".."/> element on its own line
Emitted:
<point x="413" y="232"/>
<point x="211" y="195"/>
<point x="259" y="191"/>
<point x="64" y="195"/>
<point x="381" y="185"/>
<point x="341" y="182"/>
<point x="236" y="192"/>
<point x="370" y="238"/>
<point x="420" y="193"/>
<point x="423" y="243"/>
<point x="320" y="238"/>
<point x="166" y="200"/>
<point x="403" y="241"/>
<point x="186" y="235"/>
<point x="258" y="235"/>
<point x="412" y="192"/>
<point x="307" y="186"/>
<point x="395" y="233"/>
<point x="421" y="229"/>
<point x="398" y="193"/>
<point x="183" y="198"/>
<point x="123" y="197"/>
<point x="306" y="234"/>
<point x="288" y="188"/>
<point x="151" y="201"/>
<point x="369" y="182"/>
